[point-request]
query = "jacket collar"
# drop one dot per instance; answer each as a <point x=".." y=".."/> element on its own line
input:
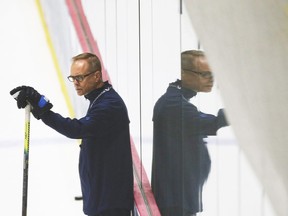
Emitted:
<point x="187" y="93"/>
<point x="93" y="94"/>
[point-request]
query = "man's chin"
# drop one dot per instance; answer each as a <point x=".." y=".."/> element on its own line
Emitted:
<point x="79" y="92"/>
<point x="207" y="89"/>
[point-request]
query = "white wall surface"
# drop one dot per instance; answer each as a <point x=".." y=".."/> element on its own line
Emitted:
<point x="53" y="175"/>
<point x="247" y="44"/>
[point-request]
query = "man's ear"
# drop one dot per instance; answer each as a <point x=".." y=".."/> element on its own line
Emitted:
<point x="97" y="74"/>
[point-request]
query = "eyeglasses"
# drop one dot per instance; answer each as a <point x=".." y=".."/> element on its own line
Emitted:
<point x="203" y="74"/>
<point x="79" y="78"/>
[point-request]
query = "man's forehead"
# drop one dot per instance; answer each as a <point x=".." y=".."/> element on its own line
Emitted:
<point x="79" y="66"/>
<point x="192" y="61"/>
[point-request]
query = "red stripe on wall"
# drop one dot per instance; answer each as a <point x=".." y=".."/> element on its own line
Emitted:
<point x="143" y="195"/>
<point x="83" y="31"/>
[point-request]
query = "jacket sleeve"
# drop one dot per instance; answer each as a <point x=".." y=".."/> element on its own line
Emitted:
<point x="98" y="122"/>
<point x="72" y="128"/>
<point x="202" y="123"/>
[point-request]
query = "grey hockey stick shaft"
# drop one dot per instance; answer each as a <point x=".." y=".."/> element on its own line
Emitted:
<point x="26" y="160"/>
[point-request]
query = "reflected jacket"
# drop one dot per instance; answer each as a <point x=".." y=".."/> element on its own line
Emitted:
<point x="181" y="162"/>
<point x="105" y="161"/>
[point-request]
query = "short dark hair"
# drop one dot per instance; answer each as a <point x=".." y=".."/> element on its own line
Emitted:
<point x="188" y="58"/>
<point x="92" y="59"/>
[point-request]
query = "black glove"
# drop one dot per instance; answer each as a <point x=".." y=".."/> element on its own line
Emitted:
<point x="40" y="104"/>
<point x="222" y="121"/>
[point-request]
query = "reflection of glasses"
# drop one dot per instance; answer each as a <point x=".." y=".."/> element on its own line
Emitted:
<point x="203" y="74"/>
<point x="79" y="78"/>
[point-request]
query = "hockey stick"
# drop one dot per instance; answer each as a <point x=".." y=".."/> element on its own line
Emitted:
<point x="26" y="160"/>
<point x="26" y="154"/>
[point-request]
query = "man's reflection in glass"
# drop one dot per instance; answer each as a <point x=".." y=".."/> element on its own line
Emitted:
<point x="181" y="162"/>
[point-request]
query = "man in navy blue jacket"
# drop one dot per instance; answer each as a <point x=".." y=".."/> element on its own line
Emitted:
<point x="105" y="162"/>
<point x="181" y="161"/>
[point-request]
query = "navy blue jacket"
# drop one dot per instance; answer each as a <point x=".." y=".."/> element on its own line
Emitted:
<point x="181" y="162"/>
<point x="105" y="162"/>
